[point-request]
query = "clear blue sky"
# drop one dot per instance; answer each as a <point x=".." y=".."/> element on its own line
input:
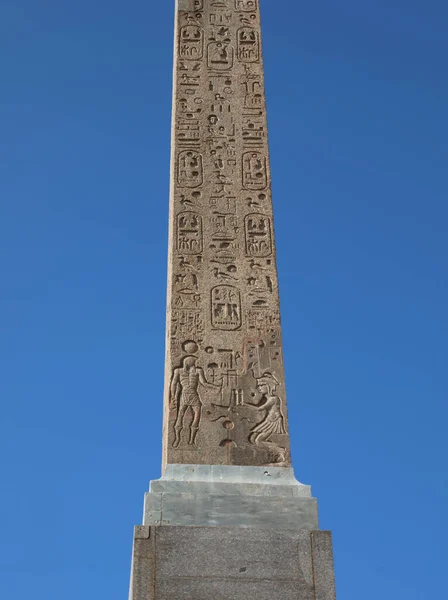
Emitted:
<point x="357" y="100"/>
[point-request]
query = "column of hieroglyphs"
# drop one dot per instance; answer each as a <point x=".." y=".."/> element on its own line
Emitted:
<point x="225" y="399"/>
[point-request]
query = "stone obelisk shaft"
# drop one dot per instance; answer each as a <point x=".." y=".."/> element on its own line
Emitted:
<point x="225" y="401"/>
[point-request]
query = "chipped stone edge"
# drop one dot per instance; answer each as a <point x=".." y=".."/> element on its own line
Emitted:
<point x="233" y="474"/>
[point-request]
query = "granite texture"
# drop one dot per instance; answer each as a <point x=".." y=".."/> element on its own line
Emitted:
<point x="143" y="565"/>
<point x="225" y="399"/>
<point x="219" y="563"/>
<point x="322" y="556"/>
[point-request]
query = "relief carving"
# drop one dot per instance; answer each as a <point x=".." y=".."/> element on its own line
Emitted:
<point x="253" y="98"/>
<point x="220" y="34"/>
<point x="265" y="353"/>
<point x="223" y="366"/>
<point x="224" y="227"/>
<point x="273" y="421"/>
<point x="260" y="320"/>
<point x="188" y="132"/>
<point x="185" y="398"/>
<point x="225" y="397"/>
<point x="258" y="234"/>
<point x="189" y="82"/>
<point x="246" y="5"/>
<point x="188" y="111"/>
<point x="186" y="322"/>
<point x="226" y="308"/>
<point x="189" y="238"/>
<point x="186" y="299"/>
<point x="225" y="273"/>
<point x="191" y="42"/>
<point x="255" y="175"/>
<point x="221" y="104"/>
<point x="220" y="18"/>
<point x="220" y="56"/>
<point x="221" y="84"/>
<point x="223" y="204"/>
<point x="190" y="171"/>
<point x="219" y="132"/>
<point x="253" y="132"/>
<point x="248" y="45"/>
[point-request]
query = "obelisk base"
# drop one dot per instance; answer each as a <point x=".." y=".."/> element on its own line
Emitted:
<point x="230" y="496"/>
<point x="231" y="563"/>
<point x="215" y="532"/>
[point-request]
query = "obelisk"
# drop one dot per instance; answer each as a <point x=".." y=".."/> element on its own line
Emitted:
<point x="227" y="518"/>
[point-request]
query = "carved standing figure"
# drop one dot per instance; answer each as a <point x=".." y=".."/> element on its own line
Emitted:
<point x="271" y="404"/>
<point x="184" y="392"/>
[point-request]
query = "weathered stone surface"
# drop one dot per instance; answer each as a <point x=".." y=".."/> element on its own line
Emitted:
<point x="322" y="556"/>
<point x="214" y="475"/>
<point x="222" y="563"/>
<point x="217" y="479"/>
<point x="225" y="400"/>
<point x="270" y="512"/>
<point x="230" y="496"/>
<point x="143" y="565"/>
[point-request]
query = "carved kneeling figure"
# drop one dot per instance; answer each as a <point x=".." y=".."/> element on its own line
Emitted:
<point x="271" y="404"/>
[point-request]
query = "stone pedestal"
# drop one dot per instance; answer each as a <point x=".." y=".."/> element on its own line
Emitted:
<point x="230" y="563"/>
<point x="227" y="532"/>
<point x="230" y="496"/>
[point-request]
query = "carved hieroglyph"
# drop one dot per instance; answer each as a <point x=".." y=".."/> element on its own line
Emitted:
<point x="225" y="400"/>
